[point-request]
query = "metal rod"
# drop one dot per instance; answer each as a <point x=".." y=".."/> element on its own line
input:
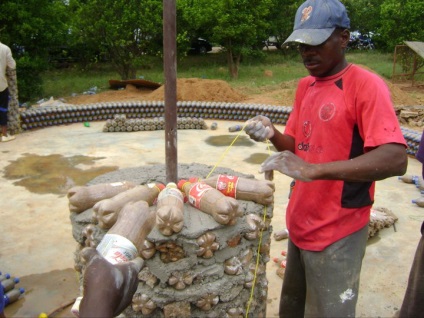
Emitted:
<point x="170" y="69"/>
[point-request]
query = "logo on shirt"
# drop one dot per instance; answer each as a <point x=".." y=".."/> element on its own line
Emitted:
<point x="307" y="147"/>
<point x="327" y="111"/>
<point x="307" y="128"/>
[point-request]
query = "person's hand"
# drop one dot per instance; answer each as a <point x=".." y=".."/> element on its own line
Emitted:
<point x="108" y="288"/>
<point x="289" y="164"/>
<point x="259" y="128"/>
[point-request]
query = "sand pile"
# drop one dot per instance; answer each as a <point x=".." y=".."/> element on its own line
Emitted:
<point x="195" y="89"/>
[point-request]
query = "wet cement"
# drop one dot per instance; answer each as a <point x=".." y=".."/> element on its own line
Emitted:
<point x="37" y="240"/>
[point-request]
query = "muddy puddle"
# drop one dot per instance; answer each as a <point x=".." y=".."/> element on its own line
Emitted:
<point x="227" y="140"/>
<point x="55" y="173"/>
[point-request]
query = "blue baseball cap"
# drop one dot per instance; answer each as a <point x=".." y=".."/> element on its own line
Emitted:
<point x="316" y="20"/>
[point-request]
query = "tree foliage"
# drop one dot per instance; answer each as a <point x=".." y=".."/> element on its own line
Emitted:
<point x="31" y="28"/>
<point x="33" y="25"/>
<point x="238" y="25"/>
<point x="401" y="20"/>
<point x="128" y="31"/>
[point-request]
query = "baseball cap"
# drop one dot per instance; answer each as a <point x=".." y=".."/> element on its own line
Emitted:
<point x="316" y="20"/>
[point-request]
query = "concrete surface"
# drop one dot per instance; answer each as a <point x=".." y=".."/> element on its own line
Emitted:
<point x="36" y="241"/>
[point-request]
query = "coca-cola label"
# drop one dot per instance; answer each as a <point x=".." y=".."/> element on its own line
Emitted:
<point x="227" y="185"/>
<point x="196" y="193"/>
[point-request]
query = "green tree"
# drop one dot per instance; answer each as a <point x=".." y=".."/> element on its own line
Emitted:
<point x="30" y="28"/>
<point x="364" y="14"/>
<point x="238" y="25"/>
<point x="129" y="31"/>
<point x="401" y="20"/>
<point x="281" y="18"/>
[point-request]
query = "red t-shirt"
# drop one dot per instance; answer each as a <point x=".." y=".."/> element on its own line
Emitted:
<point x="336" y="118"/>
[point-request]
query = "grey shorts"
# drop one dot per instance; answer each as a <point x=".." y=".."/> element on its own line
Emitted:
<point x="326" y="283"/>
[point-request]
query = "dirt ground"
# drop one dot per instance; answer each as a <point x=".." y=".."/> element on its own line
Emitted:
<point x="408" y="100"/>
<point x="195" y="89"/>
<point x="385" y="297"/>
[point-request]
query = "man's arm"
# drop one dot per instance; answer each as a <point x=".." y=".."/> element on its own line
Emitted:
<point x="385" y="161"/>
<point x="10" y="62"/>
<point x="108" y="288"/>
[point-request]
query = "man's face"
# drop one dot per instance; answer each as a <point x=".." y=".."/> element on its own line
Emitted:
<point x="327" y="58"/>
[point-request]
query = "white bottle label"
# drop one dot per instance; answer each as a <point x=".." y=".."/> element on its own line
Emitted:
<point x="171" y="192"/>
<point x="117" y="184"/>
<point x="117" y="249"/>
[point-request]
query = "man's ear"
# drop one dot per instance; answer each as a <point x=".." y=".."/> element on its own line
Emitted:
<point x="345" y="38"/>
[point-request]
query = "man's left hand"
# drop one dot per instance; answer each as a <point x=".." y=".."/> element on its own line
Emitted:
<point x="289" y="164"/>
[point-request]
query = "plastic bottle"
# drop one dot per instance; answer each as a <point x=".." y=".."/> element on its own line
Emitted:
<point x="9" y="283"/>
<point x="280" y="261"/>
<point x="407" y="178"/>
<point x="259" y="191"/>
<point x="124" y="240"/>
<point x="281" y="235"/>
<point x="419" y="182"/>
<point x="224" y="210"/>
<point x="82" y="198"/>
<point x="235" y="128"/>
<point x="106" y="211"/>
<point x="13" y="295"/>
<point x="419" y="202"/>
<point x="4" y="276"/>
<point x="170" y="210"/>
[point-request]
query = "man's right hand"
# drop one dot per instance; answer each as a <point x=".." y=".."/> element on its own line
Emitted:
<point x="259" y="128"/>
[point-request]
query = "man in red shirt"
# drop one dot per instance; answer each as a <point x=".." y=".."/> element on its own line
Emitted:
<point x="341" y="136"/>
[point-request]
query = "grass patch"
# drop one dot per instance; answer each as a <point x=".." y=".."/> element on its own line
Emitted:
<point x="254" y="73"/>
<point x="381" y="63"/>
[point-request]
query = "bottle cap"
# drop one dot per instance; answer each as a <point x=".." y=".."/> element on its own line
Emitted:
<point x="6" y="276"/>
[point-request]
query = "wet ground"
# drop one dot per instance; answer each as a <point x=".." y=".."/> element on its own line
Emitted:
<point x="36" y="243"/>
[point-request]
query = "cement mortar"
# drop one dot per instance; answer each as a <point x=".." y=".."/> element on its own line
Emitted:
<point x="219" y="286"/>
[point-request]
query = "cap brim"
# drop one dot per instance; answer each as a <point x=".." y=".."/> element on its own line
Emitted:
<point x="309" y="36"/>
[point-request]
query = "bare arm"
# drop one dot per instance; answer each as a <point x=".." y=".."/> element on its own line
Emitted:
<point x="382" y="162"/>
<point x="282" y="142"/>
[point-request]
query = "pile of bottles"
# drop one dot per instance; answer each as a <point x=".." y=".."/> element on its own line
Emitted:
<point x="413" y="139"/>
<point x="149" y="115"/>
<point x="11" y="293"/>
<point x="60" y="115"/>
<point x="120" y="122"/>
<point x="418" y="181"/>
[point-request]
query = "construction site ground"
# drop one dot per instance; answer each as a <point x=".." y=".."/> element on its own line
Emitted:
<point x="40" y="165"/>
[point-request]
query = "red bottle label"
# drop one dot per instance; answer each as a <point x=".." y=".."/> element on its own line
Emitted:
<point x="196" y="193"/>
<point x="227" y="185"/>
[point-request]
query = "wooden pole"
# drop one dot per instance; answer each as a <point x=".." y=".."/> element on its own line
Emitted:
<point x="170" y="69"/>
